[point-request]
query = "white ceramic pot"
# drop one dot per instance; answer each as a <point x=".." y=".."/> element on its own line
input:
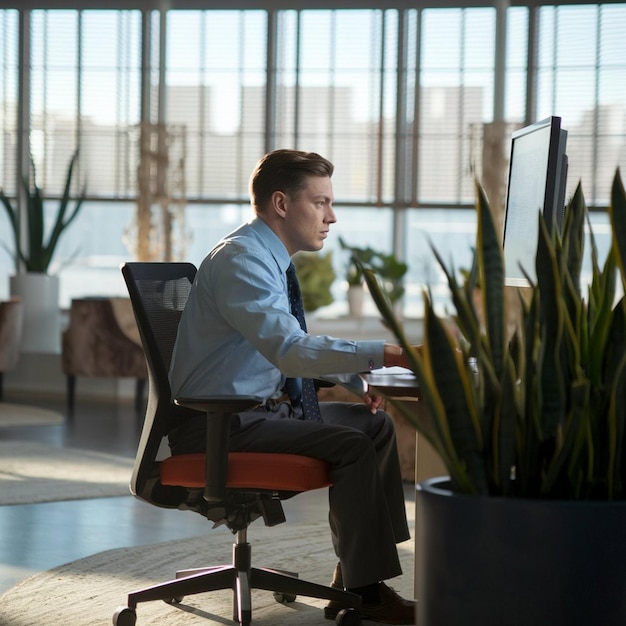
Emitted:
<point x="39" y="293"/>
<point x="355" y="301"/>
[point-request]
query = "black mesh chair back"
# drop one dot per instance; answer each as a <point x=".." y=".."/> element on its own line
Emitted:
<point x="158" y="293"/>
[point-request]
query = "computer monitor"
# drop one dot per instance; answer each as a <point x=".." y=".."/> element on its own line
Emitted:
<point x="537" y="179"/>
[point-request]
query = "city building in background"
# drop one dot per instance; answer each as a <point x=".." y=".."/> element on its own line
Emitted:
<point x="400" y="98"/>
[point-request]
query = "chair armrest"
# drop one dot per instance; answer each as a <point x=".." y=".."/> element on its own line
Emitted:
<point x="220" y="404"/>
<point x="218" y="410"/>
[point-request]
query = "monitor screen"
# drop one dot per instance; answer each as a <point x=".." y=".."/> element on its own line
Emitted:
<point x="537" y="178"/>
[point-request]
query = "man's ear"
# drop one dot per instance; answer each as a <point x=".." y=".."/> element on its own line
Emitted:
<point x="279" y="203"/>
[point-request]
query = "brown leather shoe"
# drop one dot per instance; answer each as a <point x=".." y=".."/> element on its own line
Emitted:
<point x="392" y="609"/>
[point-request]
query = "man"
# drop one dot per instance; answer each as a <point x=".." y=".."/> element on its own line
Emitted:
<point x="239" y="335"/>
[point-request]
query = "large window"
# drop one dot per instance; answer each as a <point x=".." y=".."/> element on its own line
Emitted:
<point x="9" y="37"/>
<point x="85" y="92"/>
<point x="581" y="76"/>
<point x="215" y="76"/>
<point x="399" y="100"/>
<point x="457" y="76"/>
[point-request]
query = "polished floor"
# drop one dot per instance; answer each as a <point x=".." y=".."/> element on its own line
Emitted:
<point x="37" y="537"/>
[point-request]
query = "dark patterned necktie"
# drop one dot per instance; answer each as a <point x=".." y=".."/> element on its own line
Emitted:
<point x="300" y="390"/>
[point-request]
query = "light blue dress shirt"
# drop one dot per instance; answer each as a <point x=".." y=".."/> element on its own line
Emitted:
<point x="237" y="334"/>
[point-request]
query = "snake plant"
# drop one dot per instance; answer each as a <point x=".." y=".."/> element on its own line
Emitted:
<point x="36" y="256"/>
<point x="539" y="412"/>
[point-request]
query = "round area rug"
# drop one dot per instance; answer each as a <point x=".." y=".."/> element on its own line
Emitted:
<point x="88" y="591"/>
<point x="24" y="415"/>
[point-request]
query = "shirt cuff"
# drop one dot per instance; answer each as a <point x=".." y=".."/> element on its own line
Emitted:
<point x="370" y="355"/>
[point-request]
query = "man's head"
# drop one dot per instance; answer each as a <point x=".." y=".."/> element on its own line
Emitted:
<point x="287" y="171"/>
<point x="291" y="191"/>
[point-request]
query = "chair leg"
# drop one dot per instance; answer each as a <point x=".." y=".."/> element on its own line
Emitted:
<point x="242" y="599"/>
<point x="184" y="573"/>
<point x="218" y="578"/>
<point x="71" y="392"/>
<point x="273" y="580"/>
<point x="241" y="578"/>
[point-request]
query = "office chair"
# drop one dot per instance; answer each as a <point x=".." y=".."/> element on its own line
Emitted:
<point x="232" y="488"/>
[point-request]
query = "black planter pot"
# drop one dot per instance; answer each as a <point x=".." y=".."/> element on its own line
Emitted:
<point x="512" y="562"/>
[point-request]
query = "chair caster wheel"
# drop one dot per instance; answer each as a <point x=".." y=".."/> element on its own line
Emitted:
<point x="348" y="617"/>
<point x="124" y="617"/>
<point x="284" y="598"/>
<point x="176" y="600"/>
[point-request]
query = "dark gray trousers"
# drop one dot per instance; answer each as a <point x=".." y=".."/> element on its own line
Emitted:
<point x="367" y="510"/>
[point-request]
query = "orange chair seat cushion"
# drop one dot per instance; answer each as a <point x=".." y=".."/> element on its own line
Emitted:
<point x="250" y="470"/>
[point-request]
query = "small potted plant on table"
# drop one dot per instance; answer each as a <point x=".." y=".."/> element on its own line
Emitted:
<point x="390" y="270"/>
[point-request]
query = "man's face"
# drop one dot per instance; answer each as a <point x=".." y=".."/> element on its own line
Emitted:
<point x="309" y="214"/>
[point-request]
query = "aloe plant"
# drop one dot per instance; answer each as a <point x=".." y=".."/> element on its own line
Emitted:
<point x="540" y="412"/>
<point x="38" y="253"/>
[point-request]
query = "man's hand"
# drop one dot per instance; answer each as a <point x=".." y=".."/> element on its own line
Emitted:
<point x="395" y="356"/>
<point x="373" y="402"/>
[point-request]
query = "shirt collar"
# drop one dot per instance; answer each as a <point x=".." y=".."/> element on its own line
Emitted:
<point x="273" y="242"/>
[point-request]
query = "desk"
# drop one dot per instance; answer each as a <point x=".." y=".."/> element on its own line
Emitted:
<point x="393" y="382"/>
<point x="401" y="385"/>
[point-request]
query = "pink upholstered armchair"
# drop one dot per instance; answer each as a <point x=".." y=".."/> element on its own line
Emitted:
<point x="102" y="341"/>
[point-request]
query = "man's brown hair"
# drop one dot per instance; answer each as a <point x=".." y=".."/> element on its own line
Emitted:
<point x="286" y="171"/>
